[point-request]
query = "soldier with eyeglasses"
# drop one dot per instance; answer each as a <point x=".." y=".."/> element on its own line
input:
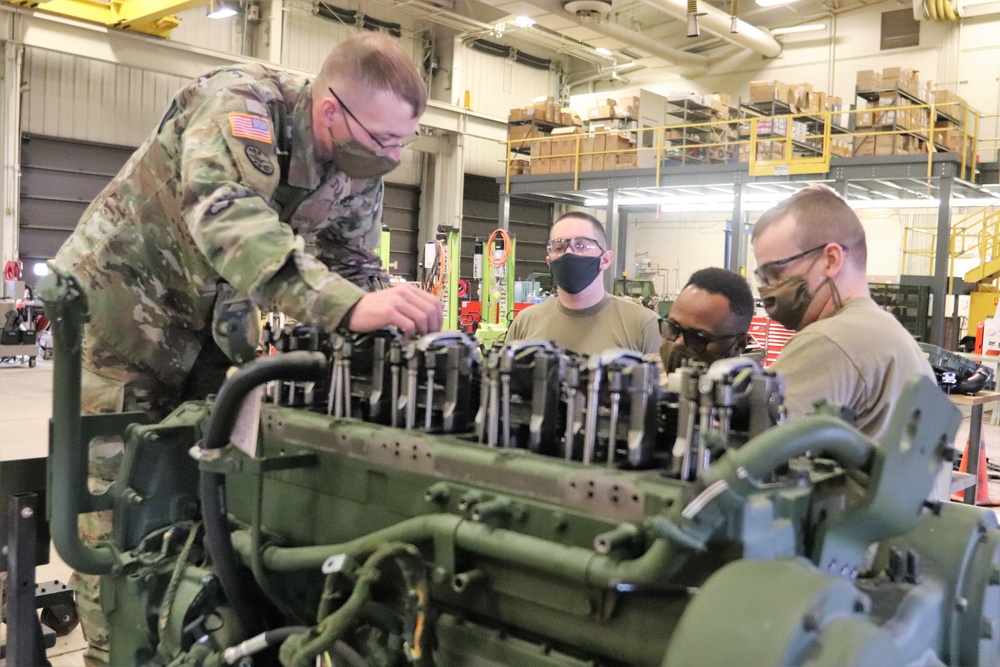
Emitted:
<point x="811" y="257"/>
<point x="584" y="318"/>
<point x="258" y="188"/>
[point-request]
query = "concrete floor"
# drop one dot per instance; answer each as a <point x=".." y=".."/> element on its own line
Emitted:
<point x="26" y="405"/>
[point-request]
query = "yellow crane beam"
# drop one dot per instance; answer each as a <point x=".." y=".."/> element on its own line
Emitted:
<point x="153" y="17"/>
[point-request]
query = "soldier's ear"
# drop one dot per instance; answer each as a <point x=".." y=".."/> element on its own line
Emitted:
<point x="328" y="110"/>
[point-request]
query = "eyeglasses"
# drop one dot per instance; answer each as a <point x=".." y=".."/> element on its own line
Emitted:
<point x="385" y="147"/>
<point x="771" y="272"/>
<point x="578" y="244"/>
<point x="696" y="339"/>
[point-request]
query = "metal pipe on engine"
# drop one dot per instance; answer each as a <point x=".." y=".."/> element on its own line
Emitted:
<point x="66" y="307"/>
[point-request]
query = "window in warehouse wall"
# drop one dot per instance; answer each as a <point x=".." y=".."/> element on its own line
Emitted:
<point x="529" y="224"/>
<point x="899" y="29"/>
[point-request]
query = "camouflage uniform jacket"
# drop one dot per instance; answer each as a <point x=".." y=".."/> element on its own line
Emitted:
<point x="225" y="190"/>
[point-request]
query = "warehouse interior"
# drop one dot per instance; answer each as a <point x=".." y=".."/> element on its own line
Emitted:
<point x="471" y="508"/>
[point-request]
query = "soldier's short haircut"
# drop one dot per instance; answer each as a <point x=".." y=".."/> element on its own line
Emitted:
<point x="599" y="235"/>
<point x="731" y="285"/>
<point x="821" y="216"/>
<point x="375" y="61"/>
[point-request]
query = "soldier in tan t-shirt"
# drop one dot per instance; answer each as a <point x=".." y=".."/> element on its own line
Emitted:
<point x="584" y="318"/>
<point x="811" y="261"/>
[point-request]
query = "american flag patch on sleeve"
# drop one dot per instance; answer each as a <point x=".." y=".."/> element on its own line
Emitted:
<point x="250" y="127"/>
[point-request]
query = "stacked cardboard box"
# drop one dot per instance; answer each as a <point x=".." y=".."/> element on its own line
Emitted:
<point x="608" y="109"/>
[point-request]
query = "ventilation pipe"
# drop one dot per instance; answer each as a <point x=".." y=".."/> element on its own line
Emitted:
<point x="721" y="24"/>
<point x="589" y="13"/>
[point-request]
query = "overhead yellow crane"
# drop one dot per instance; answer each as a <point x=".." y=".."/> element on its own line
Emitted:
<point x="152" y="17"/>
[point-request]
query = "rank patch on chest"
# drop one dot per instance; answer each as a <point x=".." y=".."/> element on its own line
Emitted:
<point x="260" y="160"/>
<point x="244" y="125"/>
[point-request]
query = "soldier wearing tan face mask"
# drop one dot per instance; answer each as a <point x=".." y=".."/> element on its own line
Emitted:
<point x="811" y="257"/>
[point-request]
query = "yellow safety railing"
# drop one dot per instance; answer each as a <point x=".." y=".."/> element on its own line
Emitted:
<point x="976" y="235"/>
<point x="767" y="153"/>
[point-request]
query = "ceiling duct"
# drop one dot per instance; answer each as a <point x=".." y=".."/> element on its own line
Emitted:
<point x="721" y="24"/>
<point x="591" y="13"/>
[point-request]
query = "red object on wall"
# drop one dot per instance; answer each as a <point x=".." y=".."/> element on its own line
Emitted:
<point x="769" y="336"/>
<point x="979" y="336"/>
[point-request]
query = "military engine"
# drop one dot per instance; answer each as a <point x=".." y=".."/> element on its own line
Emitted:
<point x="370" y="500"/>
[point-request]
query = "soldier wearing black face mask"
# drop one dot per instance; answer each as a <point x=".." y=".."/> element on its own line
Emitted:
<point x="583" y="317"/>
<point x="811" y="257"/>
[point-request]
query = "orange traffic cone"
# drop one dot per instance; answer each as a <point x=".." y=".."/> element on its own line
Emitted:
<point x="982" y="479"/>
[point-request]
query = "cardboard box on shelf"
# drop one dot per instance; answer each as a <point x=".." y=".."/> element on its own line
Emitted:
<point x="625" y="112"/>
<point x="545" y="148"/>
<point x="864" y="145"/>
<point x="886" y="144"/>
<point x="541" y="166"/>
<point x="586" y="163"/>
<point x="566" y="130"/>
<point x="541" y="112"/>
<point x="724" y="98"/>
<point x="562" y="165"/>
<point x="523" y="132"/>
<point x="817" y="102"/>
<point x="765" y="91"/>
<point x="602" y="111"/>
<point x="869" y="79"/>
<point x="517" y="115"/>
<point x="628" y="101"/>
<point x="519" y="166"/>
<point x="798" y="95"/>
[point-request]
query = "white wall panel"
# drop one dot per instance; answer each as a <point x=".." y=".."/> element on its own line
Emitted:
<point x="309" y="37"/>
<point x="495" y="86"/>
<point x="76" y="98"/>
<point x="197" y="29"/>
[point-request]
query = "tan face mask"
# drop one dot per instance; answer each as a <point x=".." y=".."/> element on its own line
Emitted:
<point x="787" y="301"/>
<point x="359" y="161"/>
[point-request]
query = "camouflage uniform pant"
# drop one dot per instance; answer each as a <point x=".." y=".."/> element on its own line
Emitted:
<point x="108" y="384"/>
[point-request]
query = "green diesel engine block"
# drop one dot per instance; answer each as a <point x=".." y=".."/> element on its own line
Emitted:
<point x="372" y="501"/>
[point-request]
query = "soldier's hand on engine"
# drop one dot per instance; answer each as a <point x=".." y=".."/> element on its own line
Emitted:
<point x="406" y="307"/>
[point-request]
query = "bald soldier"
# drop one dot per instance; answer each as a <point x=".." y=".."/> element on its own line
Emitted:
<point x="211" y="218"/>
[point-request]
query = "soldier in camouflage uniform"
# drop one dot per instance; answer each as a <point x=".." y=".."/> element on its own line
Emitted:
<point x="248" y="167"/>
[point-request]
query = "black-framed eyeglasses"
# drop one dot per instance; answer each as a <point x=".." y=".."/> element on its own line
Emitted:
<point x="578" y="244"/>
<point x="696" y="339"/>
<point x="386" y="147"/>
<point x="771" y="272"/>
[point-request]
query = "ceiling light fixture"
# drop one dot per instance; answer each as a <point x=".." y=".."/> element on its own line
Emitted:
<point x="774" y="3"/>
<point x="524" y="21"/>
<point x="603" y="51"/>
<point x="809" y="27"/>
<point x="223" y="9"/>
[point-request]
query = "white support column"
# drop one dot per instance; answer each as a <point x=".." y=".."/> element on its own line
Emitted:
<point x="10" y="149"/>
<point x="275" y="31"/>
<point x="442" y="186"/>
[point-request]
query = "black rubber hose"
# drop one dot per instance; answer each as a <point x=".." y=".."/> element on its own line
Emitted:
<point x="294" y="366"/>
<point x="278" y="635"/>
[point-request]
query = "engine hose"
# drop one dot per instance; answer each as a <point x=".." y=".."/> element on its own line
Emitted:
<point x="348" y="654"/>
<point x="234" y="654"/>
<point x="303" y="649"/>
<point x="298" y="366"/>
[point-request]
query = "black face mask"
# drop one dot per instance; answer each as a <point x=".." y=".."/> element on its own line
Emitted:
<point x="574" y="273"/>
